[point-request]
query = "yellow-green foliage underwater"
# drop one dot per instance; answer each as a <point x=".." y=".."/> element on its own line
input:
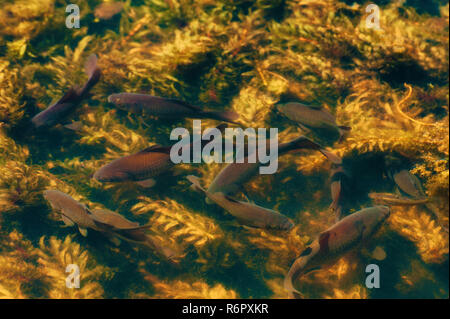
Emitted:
<point x="390" y="86"/>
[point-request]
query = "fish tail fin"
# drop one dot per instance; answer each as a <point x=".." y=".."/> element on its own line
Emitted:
<point x="226" y="116"/>
<point x="302" y="142"/>
<point x="93" y="72"/>
<point x="196" y="183"/>
<point x="289" y="287"/>
<point x="91" y="65"/>
<point x="331" y="156"/>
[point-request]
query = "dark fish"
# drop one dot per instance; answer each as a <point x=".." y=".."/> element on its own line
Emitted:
<point x="140" y="167"/>
<point x="107" y="10"/>
<point x="336" y="241"/>
<point x="231" y="178"/>
<point x="339" y="185"/>
<point x="166" y="108"/>
<point x="59" y="111"/>
<point x="72" y="212"/>
<point x="247" y="213"/>
<point x="312" y="117"/>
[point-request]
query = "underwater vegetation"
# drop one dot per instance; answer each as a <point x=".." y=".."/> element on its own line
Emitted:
<point x="389" y="86"/>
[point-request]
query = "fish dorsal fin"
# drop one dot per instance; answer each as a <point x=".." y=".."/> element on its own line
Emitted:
<point x="306" y="252"/>
<point x="323" y="241"/>
<point x="312" y="269"/>
<point x="83" y="231"/>
<point x="156" y="149"/>
<point x="91" y="65"/>
<point x="185" y="104"/>
<point x="101" y="224"/>
<point x="314" y="107"/>
<point x="232" y="199"/>
<point x="71" y="94"/>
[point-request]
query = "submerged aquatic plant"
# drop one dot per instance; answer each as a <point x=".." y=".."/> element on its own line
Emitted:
<point x="390" y="86"/>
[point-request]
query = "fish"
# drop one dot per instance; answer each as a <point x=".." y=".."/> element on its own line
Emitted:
<point x="313" y="117"/>
<point x="339" y="182"/>
<point x="72" y="212"/>
<point x="396" y="200"/>
<point x="113" y="223"/>
<point x="231" y="178"/>
<point x="142" y="166"/>
<point x="66" y="105"/>
<point x="409" y="184"/>
<point x="335" y="242"/>
<point x="166" y="107"/>
<point x="247" y="213"/>
<point x="107" y="10"/>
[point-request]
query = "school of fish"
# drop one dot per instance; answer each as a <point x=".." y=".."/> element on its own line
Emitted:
<point x="348" y="233"/>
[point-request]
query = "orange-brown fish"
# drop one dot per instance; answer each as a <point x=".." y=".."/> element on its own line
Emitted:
<point x="231" y="178"/>
<point x="246" y="213"/>
<point x="140" y="167"/>
<point x="72" y="212"/>
<point x="313" y="117"/>
<point x="336" y="241"/>
<point x="65" y="106"/>
<point x="166" y="108"/>
<point x="409" y="184"/>
<point x="107" y="10"/>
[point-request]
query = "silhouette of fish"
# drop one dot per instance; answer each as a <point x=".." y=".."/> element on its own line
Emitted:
<point x="166" y="108"/>
<point x="65" y="106"/>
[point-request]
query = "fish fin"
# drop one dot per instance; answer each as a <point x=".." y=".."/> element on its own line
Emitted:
<point x="83" y="231"/>
<point x="306" y="252"/>
<point x="315" y="107"/>
<point x="69" y="96"/>
<point x="102" y="225"/>
<point x="303" y="142"/>
<point x="312" y="269"/>
<point x="116" y="241"/>
<point x="91" y="65"/>
<point x="74" y="126"/>
<point x="331" y="156"/>
<point x="196" y="183"/>
<point x="66" y="220"/>
<point x="344" y="128"/>
<point x="303" y="128"/>
<point x="248" y="200"/>
<point x="186" y="104"/>
<point x="230" y="198"/>
<point x="227" y="116"/>
<point x="156" y="149"/>
<point x="136" y="227"/>
<point x="289" y="287"/>
<point x="147" y="183"/>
